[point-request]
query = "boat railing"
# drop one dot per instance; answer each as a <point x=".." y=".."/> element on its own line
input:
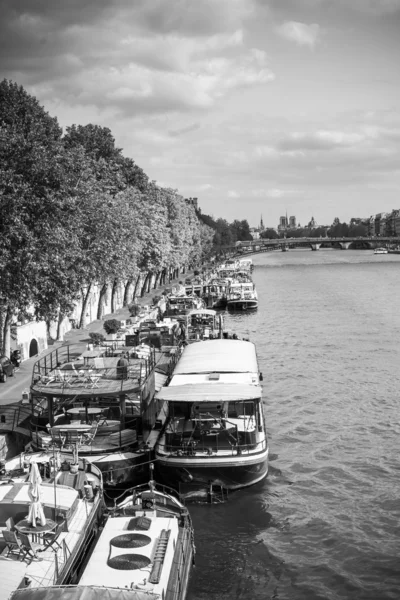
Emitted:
<point x="65" y="370"/>
<point x="211" y="444"/>
<point x="136" y="491"/>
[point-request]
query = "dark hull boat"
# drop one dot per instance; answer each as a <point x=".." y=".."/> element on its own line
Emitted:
<point x="86" y="402"/>
<point x="213" y="430"/>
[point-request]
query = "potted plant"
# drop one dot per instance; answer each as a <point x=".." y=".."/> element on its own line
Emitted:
<point x="96" y="338"/>
<point x="111" y="327"/>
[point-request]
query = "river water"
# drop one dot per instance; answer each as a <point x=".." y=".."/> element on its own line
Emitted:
<point x="325" y="524"/>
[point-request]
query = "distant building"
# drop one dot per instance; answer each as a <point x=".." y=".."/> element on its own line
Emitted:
<point x="312" y="224"/>
<point x="283" y="224"/>
<point x="256" y="231"/>
<point x="286" y="223"/>
<point x="193" y="202"/>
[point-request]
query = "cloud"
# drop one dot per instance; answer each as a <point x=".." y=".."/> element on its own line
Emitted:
<point x="164" y="59"/>
<point x="319" y="140"/>
<point x="233" y="194"/>
<point x="300" y="33"/>
<point x="183" y="130"/>
<point x="206" y="187"/>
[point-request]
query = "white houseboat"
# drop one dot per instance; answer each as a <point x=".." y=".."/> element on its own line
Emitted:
<point x="144" y="552"/>
<point x="50" y="511"/>
<point x="213" y="425"/>
<point x="242" y="296"/>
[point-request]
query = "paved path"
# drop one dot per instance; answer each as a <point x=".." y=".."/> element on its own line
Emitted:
<point x="11" y="391"/>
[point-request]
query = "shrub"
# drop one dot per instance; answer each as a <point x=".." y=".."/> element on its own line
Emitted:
<point x="111" y="326"/>
<point x="97" y="338"/>
<point x="134" y="309"/>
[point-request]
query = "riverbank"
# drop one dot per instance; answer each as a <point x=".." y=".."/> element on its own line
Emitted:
<point x="11" y="391"/>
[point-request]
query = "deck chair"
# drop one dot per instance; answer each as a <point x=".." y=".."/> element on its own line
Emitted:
<point x="12" y="542"/>
<point x="101" y="420"/>
<point x="10" y="524"/>
<point x="87" y="438"/>
<point x="74" y="437"/>
<point x="46" y="379"/>
<point x="63" y="377"/>
<point x="29" y="549"/>
<point x="51" y="539"/>
<point x="57" y="437"/>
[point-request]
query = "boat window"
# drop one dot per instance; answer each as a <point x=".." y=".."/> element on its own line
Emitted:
<point x="241" y="408"/>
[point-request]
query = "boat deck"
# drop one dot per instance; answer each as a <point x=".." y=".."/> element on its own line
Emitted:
<point x="43" y="572"/>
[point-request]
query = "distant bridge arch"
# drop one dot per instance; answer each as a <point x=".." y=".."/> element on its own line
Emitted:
<point x="264" y="245"/>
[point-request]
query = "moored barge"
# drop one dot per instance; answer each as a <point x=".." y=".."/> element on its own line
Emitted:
<point x="213" y="424"/>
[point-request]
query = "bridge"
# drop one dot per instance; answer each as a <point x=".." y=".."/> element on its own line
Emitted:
<point x="265" y="245"/>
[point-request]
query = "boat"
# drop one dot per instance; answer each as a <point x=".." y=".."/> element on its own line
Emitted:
<point x="108" y="410"/>
<point x="203" y="324"/>
<point x="145" y="552"/>
<point x="179" y="304"/>
<point x="215" y="293"/>
<point x="65" y="524"/>
<point x="213" y="430"/>
<point x="242" y="296"/>
<point x="381" y="251"/>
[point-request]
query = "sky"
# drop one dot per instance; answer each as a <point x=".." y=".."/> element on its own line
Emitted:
<point x="255" y="107"/>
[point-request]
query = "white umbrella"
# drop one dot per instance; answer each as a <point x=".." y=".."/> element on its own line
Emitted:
<point x="36" y="514"/>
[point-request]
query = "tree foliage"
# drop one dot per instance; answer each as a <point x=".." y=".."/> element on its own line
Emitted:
<point x="76" y="212"/>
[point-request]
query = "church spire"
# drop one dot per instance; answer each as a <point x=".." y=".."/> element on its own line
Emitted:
<point x="261" y="224"/>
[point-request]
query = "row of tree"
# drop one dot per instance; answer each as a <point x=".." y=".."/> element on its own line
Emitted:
<point x="75" y="212"/>
<point x="226" y="234"/>
<point x="336" y="230"/>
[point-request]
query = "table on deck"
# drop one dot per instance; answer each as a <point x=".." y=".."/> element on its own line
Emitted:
<point x="89" y="354"/>
<point x="79" y="427"/>
<point x="90" y="410"/>
<point x="27" y="528"/>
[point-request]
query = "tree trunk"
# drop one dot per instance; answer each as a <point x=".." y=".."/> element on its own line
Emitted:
<point x="137" y="285"/>
<point x="100" y="305"/>
<point x="149" y="282"/>
<point x="2" y="319"/>
<point x="145" y="284"/>
<point x="127" y="289"/>
<point x="85" y="302"/>
<point x="59" y="322"/>
<point x="157" y="279"/>
<point x="113" y="292"/>
<point x="7" y="332"/>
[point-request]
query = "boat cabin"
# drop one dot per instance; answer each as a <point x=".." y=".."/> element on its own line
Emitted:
<point x="181" y="305"/>
<point x="203" y="324"/>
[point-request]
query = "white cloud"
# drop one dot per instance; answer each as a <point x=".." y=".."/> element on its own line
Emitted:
<point x="300" y="33"/>
<point x="275" y="193"/>
<point x="233" y="194"/>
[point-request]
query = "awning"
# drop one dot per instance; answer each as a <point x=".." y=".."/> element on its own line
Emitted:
<point x="218" y="356"/>
<point x="160" y="380"/>
<point x="82" y="593"/>
<point x="210" y="392"/>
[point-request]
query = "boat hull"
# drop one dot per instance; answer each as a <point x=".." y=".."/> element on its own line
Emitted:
<point x="231" y="473"/>
<point x="242" y="305"/>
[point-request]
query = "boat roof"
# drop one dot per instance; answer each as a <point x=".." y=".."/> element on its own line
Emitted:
<point x="81" y="592"/>
<point x="218" y="356"/>
<point x="203" y="311"/>
<point x="210" y="392"/>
